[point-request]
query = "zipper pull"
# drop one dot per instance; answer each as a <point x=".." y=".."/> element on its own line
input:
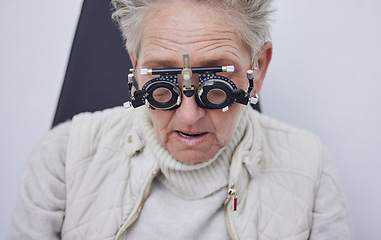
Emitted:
<point x="233" y="194"/>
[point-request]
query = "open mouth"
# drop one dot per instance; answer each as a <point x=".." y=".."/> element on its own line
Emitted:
<point x="187" y="135"/>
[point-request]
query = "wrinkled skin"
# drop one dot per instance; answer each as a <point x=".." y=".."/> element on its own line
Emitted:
<point x="190" y="133"/>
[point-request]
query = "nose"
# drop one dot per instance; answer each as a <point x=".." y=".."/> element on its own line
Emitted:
<point x="189" y="113"/>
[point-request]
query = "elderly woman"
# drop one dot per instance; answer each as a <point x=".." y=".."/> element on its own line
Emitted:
<point x="196" y="162"/>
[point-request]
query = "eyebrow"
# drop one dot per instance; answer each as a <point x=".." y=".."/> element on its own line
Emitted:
<point x="160" y="63"/>
<point x="217" y="62"/>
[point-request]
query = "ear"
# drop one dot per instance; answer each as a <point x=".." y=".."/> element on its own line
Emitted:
<point x="131" y="55"/>
<point x="263" y="58"/>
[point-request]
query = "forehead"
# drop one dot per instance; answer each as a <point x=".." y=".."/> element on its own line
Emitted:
<point x="207" y="34"/>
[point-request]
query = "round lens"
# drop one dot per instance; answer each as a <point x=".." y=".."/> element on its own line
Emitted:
<point x="216" y="96"/>
<point x="162" y="95"/>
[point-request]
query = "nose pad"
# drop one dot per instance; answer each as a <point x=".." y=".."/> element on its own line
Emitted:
<point x="188" y="92"/>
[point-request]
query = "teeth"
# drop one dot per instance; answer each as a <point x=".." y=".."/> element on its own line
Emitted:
<point x="185" y="135"/>
<point x="188" y="135"/>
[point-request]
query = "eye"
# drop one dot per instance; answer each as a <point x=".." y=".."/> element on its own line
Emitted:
<point x="162" y="95"/>
<point x="216" y="96"/>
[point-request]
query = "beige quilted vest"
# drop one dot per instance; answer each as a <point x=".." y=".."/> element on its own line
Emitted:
<point x="274" y="175"/>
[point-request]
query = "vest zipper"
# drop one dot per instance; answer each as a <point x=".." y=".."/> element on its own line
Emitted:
<point x="137" y="213"/>
<point x="232" y="194"/>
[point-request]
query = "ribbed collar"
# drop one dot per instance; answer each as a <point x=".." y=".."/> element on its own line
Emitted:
<point x="193" y="181"/>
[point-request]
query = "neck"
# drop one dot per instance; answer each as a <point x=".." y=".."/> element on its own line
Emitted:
<point x="193" y="181"/>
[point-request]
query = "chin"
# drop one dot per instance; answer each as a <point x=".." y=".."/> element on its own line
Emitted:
<point x="192" y="157"/>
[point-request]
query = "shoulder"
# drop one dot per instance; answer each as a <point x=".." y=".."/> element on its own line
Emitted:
<point x="97" y="126"/>
<point x="47" y="162"/>
<point x="105" y="119"/>
<point x="275" y="132"/>
<point x="54" y="143"/>
<point x="108" y="130"/>
<point x="287" y="148"/>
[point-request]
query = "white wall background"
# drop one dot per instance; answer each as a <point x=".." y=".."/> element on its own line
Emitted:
<point x="324" y="77"/>
<point x="35" y="42"/>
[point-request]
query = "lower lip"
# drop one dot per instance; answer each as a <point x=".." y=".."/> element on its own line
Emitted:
<point x="191" y="141"/>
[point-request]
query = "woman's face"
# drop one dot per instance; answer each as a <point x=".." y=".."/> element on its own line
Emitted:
<point x="190" y="133"/>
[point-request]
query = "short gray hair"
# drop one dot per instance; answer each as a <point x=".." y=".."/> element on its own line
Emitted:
<point x="253" y="17"/>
